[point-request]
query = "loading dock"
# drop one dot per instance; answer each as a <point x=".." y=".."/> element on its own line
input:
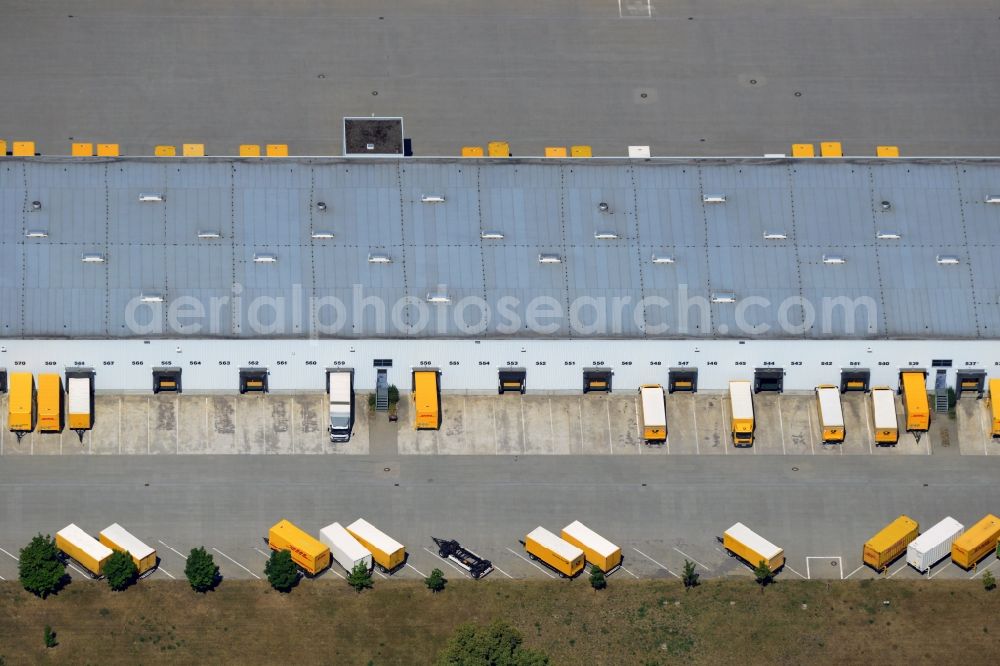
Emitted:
<point x="22" y="404"/>
<point x="768" y="379"/>
<point x="166" y="379"/>
<point x="854" y="379"/>
<point x="3" y="380"/>
<point x="916" y="407"/>
<point x="682" y="379"/>
<point x="512" y="380"/>
<point x="253" y="380"/>
<point x="597" y="380"/>
<point x="80" y="399"/>
<point x="971" y="381"/>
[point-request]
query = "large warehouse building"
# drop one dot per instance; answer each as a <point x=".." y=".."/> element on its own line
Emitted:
<point x="795" y="269"/>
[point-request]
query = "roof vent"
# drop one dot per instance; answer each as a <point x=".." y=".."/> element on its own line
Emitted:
<point x="888" y="235"/>
<point x="432" y="198"/>
<point x="379" y="259"/>
<point x="322" y="235"/>
<point x="775" y="235"/>
<point x="886" y="206"/>
<point x="149" y="197"/>
<point x="148" y="297"/>
<point x="604" y="207"/>
<point x="438" y="298"/>
<point x="36" y="233"/>
<point x="947" y="259"/>
<point x="605" y="235"/>
<point x="491" y="235"/>
<point x="549" y="259"/>
<point x="209" y="235"/>
<point x="265" y="258"/>
<point x="663" y="259"/>
<point x="92" y="258"/>
<point x="724" y="297"/>
<point x="36" y="205"/>
<point x="714" y="198"/>
<point x="321" y="206"/>
<point x="993" y="198"/>
<point x="833" y="259"/>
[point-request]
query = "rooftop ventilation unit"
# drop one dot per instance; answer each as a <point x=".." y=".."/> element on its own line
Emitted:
<point x="491" y="235"/>
<point x="92" y="258"/>
<point x="549" y="259"/>
<point x="209" y="235"/>
<point x="888" y="235"/>
<point x="775" y="235"/>
<point x="993" y="198"/>
<point x="36" y="205"/>
<point x="148" y="197"/>
<point x="833" y="259"/>
<point x="321" y="206"/>
<point x="432" y="198"/>
<point x="438" y="298"/>
<point x="36" y="233"/>
<point x="379" y="259"/>
<point x="265" y="258"/>
<point x="322" y="235"/>
<point x="605" y="235"/>
<point x="148" y="297"/>
<point x="947" y="259"/>
<point x="663" y="259"/>
<point x="886" y="206"/>
<point x="604" y="207"/>
<point x="714" y="198"/>
<point x="724" y="297"/>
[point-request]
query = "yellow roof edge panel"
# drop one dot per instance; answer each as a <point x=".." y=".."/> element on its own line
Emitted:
<point x="472" y="151"/>
<point x="249" y="150"/>
<point x="803" y="150"/>
<point x="81" y="149"/>
<point x="887" y="151"/>
<point x="165" y="151"/>
<point x="555" y="151"/>
<point x="581" y="151"/>
<point x="108" y="150"/>
<point x="277" y="150"/>
<point x="831" y="149"/>
<point x="24" y="149"/>
<point x="194" y="149"/>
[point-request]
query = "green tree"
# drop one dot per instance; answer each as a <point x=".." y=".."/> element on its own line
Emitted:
<point x="50" y="637"/>
<point x="989" y="581"/>
<point x="40" y="570"/>
<point x="763" y="574"/>
<point x="280" y="571"/>
<point x="436" y="581"/>
<point x="597" y="579"/>
<point x="393" y="394"/>
<point x="498" y="643"/>
<point x="201" y="570"/>
<point x="120" y="570"/>
<point x="690" y="576"/>
<point x="360" y="578"/>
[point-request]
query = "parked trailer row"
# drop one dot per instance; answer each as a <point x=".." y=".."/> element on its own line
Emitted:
<point x="576" y="546"/>
<point x="92" y="554"/>
<point x="923" y="551"/>
<point x="360" y="542"/>
<point x="45" y="407"/>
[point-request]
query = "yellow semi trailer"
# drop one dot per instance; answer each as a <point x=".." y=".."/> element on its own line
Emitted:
<point x="742" y="542"/>
<point x="387" y="553"/>
<point x="563" y="557"/>
<point x="995" y="407"/>
<point x="915" y="404"/>
<point x="426" y="400"/>
<point x="50" y="403"/>
<point x="889" y="543"/>
<point x="90" y="553"/>
<point x="831" y="413"/>
<point x="654" y="413"/>
<point x="116" y="537"/>
<point x="977" y="542"/>
<point x="307" y="552"/>
<point x="22" y="404"/>
<point x="884" y="422"/>
<point x="741" y="411"/>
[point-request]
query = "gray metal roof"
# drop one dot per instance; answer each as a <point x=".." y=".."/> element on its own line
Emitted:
<point x="823" y="208"/>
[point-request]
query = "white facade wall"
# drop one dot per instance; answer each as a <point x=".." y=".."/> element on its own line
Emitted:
<point x="468" y="365"/>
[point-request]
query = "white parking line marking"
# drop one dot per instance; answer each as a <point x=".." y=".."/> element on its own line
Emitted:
<point x="166" y="572"/>
<point x="854" y="572"/>
<point x="236" y="563"/>
<point x="688" y="557"/>
<point x="897" y="570"/>
<point x="77" y="569"/>
<point x="937" y="572"/>
<point x="532" y="564"/>
<point x="449" y="563"/>
<point x="380" y="573"/>
<point x="655" y="562"/>
<point x="173" y="549"/>
<point x="607" y="407"/>
<point x="868" y="429"/>
<point x="694" y="420"/>
<point x="795" y="572"/>
<point x="336" y="573"/>
<point x="983" y="569"/>
<point x="7" y="554"/>
<point x="416" y="569"/>
<point x="2" y="578"/>
<point x="503" y="572"/>
<point x="629" y="572"/>
<point x="840" y="563"/>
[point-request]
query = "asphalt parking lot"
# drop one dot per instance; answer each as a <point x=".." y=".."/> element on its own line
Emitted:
<point x="511" y="424"/>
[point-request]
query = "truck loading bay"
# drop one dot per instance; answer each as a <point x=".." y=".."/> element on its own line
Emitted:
<point x="505" y="425"/>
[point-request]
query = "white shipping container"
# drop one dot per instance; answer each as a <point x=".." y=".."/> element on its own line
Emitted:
<point x="374" y="536"/>
<point x="79" y="395"/>
<point x="654" y="411"/>
<point x="933" y="545"/>
<point x="884" y="407"/>
<point x="345" y="549"/>
<point x="741" y="399"/>
<point x="831" y="412"/>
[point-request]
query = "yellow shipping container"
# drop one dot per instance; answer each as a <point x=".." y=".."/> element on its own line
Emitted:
<point x="50" y="403"/>
<point x="882" y="549"/>
<point x="116" y="537"/>
<point x="85" y="549"/>
<point x="995" y="406"/>
<point x="387" y="553"/>
<point x="742" y="542"/>
<point x="600" y="552"/>
<point x="915" y="404"/>
<point x="977" y="542"/>
<point x="426" y="408"/>
<point x="22" y="406"/>
<point x="311" y="555"/>
<point x="561" y="555"/>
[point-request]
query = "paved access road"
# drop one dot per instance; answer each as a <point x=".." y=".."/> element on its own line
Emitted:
<point x="659" y="509"/>
<point x="715" y="77"/>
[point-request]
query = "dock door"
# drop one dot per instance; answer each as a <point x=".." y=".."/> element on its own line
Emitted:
<point x="768" y="379"/>
<point x="854" y="379"/>
<point x="972" y="381"/>
<point x="597" y="380"/>
<point x="512" y="380"/>
<point x="166" y="379"/>
<point x="682" y="379"/>
<point x="253" y="380"/>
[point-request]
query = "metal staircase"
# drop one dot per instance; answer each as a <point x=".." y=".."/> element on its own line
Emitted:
<point x="382" y="392"/>
<point x="940" y="394"/>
